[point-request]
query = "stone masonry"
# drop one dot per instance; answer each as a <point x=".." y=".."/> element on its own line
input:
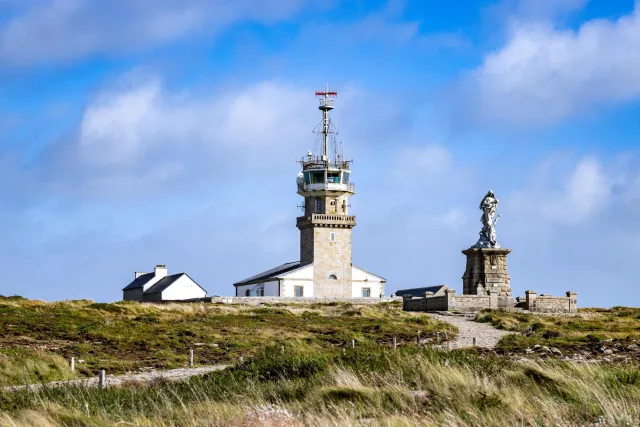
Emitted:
<point x="330" y="257"/>
<point x="486" y="271"/>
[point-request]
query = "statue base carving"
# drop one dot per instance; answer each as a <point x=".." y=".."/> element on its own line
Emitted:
<point x="486" y="272"/>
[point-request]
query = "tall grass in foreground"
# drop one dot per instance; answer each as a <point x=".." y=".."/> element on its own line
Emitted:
<point x="365" y="386"/>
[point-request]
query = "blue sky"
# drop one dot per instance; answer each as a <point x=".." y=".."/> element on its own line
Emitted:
<point x="138" y="132"/>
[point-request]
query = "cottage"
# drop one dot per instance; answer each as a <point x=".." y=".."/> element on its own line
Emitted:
<point x="296" y="279"/>
<point x="159" y="286"/>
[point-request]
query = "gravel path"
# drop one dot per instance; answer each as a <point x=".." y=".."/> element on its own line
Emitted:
<point x="486" y="335"/>
<point x="119" y="380"/>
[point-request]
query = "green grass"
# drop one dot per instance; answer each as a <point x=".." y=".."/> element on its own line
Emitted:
<point x="590" y="326"/>
<point x="38" y="338"/>
<point x="371" y="385"/>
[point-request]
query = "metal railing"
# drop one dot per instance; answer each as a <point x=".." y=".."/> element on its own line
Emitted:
<point x="329" y="186"/>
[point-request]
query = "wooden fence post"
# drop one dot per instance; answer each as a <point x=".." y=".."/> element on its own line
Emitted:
<point x="395" y="342"/>
<point x="190" y="357"/>
<point x="72" y="364"/>
<point x="102" y="379"/>
<point x="353" y="343"/>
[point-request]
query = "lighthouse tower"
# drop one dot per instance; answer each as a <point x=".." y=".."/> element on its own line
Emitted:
<point x="325" y="229"/>
<point x="325" y="268"/>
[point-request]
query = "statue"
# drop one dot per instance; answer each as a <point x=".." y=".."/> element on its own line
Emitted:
<point x="487" y="238"/>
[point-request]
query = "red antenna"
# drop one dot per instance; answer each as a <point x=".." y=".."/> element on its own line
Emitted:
<point x="327" y="93"/>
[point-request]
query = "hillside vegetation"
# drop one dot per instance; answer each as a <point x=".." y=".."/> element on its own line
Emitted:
<point x="38" y="338"/>
<point x="297" y="371"/>
<point x="370" y="385"/>
<point x="590" y="329"/>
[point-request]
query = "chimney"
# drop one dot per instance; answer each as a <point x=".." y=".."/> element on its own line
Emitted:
<point x="138" y="274"/>
<point x="160" y="271"/>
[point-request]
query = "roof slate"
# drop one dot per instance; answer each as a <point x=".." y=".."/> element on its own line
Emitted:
<point x="419" y="292"/>
<point x="273" y="273"/>
<point x="140" y="281"/>
<point x="163" y="284"/>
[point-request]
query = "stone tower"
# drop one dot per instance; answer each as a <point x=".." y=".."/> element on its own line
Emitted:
<point x="325" y="228"/>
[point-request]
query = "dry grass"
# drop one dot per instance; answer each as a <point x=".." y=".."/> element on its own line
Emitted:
<point x="38" y="338"/>
<point x="589" y="326"/>
<point x="367" y="386"/>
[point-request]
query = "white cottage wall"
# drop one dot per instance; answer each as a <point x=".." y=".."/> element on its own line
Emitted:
<point x="271" y="289"/>
<point x="289" y="286"/>
<point x="361" y="280"/>
<point x="183" y="288"/>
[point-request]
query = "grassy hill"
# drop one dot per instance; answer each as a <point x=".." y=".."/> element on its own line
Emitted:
<point x="314" y="381"/>
<point x="38" y="338"/>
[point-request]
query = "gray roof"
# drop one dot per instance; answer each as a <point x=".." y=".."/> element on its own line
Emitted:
<point x="419" y="292"/>
<point x="163" y="284"/>
<point x="273" y="273"/>
<point x="159" y="286"/>
<point x="140" y="281"/>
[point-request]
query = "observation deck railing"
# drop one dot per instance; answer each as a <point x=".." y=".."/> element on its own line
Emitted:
<point x="327" y="219"/>
<point x="327" y="186"/>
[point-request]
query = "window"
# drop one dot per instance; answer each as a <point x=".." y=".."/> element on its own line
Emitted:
<point x="366" y="292"/>
<point x="255" y="292"/>
<point x="333" y="177"/>
<point x="319" y="205"/>
<point x="307" y="177"/>
<point x="332" y="237"/>
<point x="345" y="177"/>
<point x="333" y="277"/>
<point x="298" y="291"/>
<point x="317" y="177"/>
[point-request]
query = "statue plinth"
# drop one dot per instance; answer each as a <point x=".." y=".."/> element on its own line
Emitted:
<point x="486" y="272"/>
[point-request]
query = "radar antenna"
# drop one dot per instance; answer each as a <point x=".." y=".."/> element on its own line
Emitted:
<point x="325" y="105"/>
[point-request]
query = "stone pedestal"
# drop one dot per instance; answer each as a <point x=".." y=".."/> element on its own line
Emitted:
<point x="486" y="272"/>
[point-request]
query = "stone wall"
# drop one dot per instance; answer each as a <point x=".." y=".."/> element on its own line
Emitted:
<point x="452" y="302"/>
<point x="469" y="302"/>
<point x="550" y="304"/>
<point x="293" y="300"/>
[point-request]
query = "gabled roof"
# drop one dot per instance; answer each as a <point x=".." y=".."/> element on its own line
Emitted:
<point x="274" y="273"/>
<point x="163" y="284"/>
<point x="368" y="272"/>
<point x="140" y="281"/>
<point x="167" y="281"/>
<point x="419" y="292"/>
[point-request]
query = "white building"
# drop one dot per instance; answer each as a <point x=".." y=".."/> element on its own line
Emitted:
<point x="295" y="279"/>
<point x="159" y="286"/>
<point x="325" y="268"/>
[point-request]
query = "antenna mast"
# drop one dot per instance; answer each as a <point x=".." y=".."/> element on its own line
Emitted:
<point x="326" y="105"/>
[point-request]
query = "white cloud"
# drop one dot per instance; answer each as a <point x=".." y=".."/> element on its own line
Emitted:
<point x="69" y="29"/>
<point x="574" y="200"/>
<point x="543" y="74"/>
<point x="124" y="124"/>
